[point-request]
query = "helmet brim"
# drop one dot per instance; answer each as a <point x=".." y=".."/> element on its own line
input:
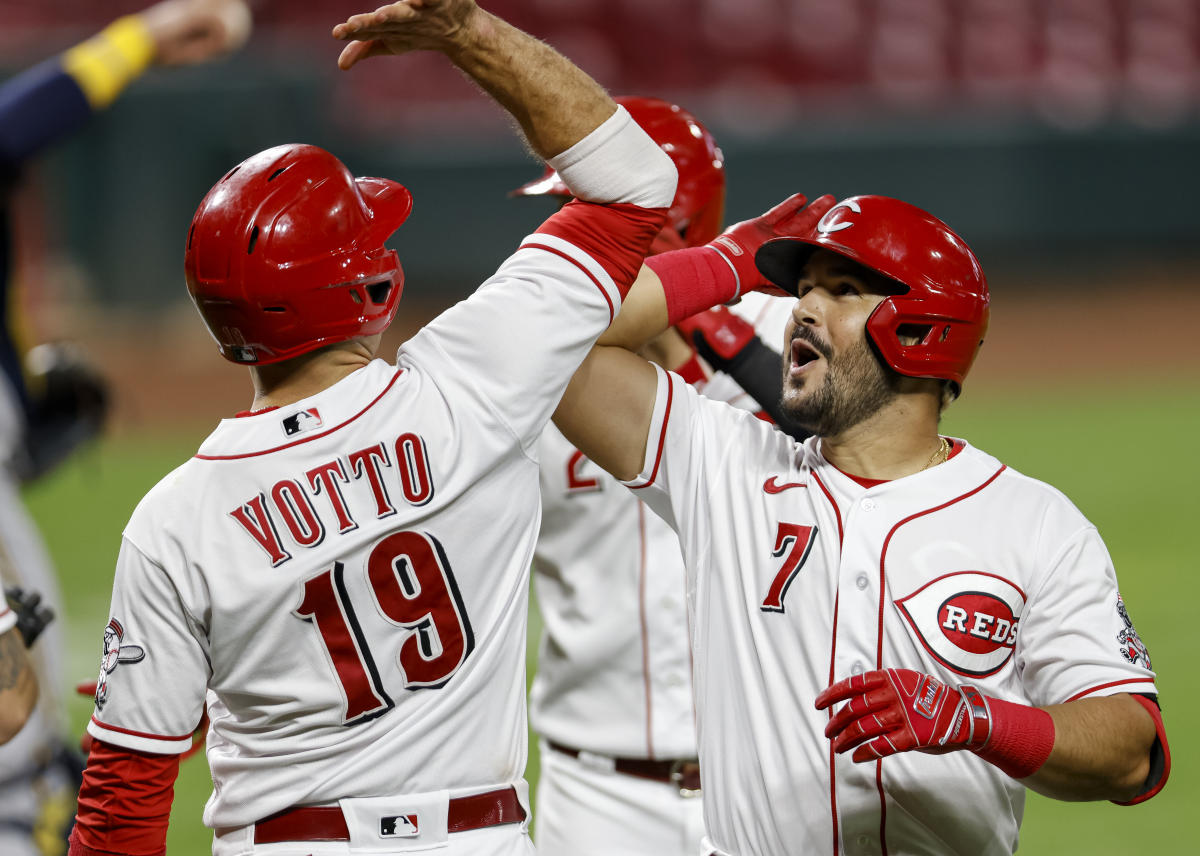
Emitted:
<point x="390" y="204"/>
<point x="782" y="259"/>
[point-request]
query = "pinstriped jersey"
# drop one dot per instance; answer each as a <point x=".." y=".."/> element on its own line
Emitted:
<point x="798" y="576"/>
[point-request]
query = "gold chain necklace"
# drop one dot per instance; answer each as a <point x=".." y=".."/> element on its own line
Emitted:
<point x="940" y="455"/>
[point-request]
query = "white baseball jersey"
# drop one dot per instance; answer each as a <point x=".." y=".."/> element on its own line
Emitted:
<point x="799" y="576"/>
<point x="614" y="668"/>
<point x="343" y="581"/>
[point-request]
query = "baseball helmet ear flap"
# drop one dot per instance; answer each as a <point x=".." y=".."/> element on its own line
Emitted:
<point x="286" y="254"/>
<point x="698" y="210"/>
<point x="935" y="326"/>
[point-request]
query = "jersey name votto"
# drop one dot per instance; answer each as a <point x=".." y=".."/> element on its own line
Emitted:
<point x="311" y="504"/>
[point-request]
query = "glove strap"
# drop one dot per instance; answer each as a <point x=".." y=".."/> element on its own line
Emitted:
<point x="1021" y="737"/>
<point x="693" y="280"/>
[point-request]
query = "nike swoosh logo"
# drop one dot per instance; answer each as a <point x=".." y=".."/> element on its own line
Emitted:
<point x="772" y="486"/>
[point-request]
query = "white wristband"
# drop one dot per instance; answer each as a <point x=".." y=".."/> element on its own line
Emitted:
<point x="618" y="162"/>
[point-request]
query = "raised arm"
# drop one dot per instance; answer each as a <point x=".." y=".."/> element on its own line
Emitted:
<point x="608" y="405"/>
<point x="57" y="98"/>
<point x="555" y="103"/>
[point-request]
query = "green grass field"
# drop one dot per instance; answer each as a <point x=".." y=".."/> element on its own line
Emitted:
<point x="1122" y="451"/>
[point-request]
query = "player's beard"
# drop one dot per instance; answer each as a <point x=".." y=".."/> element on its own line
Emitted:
<point x="857" y="385"/>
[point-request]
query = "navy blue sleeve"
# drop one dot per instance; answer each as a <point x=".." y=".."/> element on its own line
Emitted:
<point x="37" y="108"/>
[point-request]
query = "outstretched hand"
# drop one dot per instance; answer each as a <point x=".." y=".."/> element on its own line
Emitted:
<point x="188" y="32"/>
<point x="793" y="217"/>
<point x="409" y="25"/>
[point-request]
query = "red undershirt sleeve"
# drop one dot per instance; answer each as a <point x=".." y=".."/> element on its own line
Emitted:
<point x="124" y="802"/>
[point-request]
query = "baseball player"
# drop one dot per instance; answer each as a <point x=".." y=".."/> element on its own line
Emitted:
<point x="340" y="573"/>
<point x="62" y="405"/>
<point x="612" y="697"/>
<point x="894" y="633"/>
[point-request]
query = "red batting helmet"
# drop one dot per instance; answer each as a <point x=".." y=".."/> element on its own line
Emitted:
<point x="699" y="206"/>
<point x="285" y="254"/>
<point x="945" y="302"/>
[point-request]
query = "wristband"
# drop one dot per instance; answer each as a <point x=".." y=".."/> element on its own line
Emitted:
<point x="692" y="371"/>
<point x="1021" y="738"/>
<point x="693" y="280"/>
<point x="109" y="61"/>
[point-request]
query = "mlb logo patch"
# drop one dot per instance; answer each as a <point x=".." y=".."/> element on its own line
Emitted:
<point x="399" y="826"/>
<point x="304" y="420"/>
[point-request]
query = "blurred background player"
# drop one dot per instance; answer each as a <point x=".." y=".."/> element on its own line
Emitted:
<point x="612" y="697"/>
<point x="340" y="575"/>
<point x="23" y="617"/>
<point x="64" y="403"/>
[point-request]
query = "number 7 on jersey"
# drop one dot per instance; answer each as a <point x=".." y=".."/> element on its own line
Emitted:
<point x="793" y="543"/>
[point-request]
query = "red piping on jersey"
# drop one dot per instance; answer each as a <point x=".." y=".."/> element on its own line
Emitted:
<point x="645" y="632"/>
<point x="829" y="713"/>
<point x="132" y="733"/>
<point x="1109" y="684"/>
<point x="879" y="632"/>
<point x="662" y="435"/>
<point x="588" y="273"/>
<point x="837" y="513"/>
<point x="337" y="427"/>
<point x="243" y="414"/>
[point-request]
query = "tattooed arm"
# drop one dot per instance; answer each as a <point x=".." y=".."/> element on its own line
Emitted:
<point x="18" y="688"/>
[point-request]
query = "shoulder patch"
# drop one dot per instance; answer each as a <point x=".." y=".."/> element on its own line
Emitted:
<point x="114" y="654"/>
<point x="1133" y="648"/>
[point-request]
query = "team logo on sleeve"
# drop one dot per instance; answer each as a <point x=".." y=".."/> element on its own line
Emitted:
<point x="1133" y="648"/>
<point x="301" y="421"/>
<point x="967" y="620"/>
<point x="114" y="654"/>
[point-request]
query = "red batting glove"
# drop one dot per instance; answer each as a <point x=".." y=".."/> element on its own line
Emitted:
<point x="793" y="217"/>
<point x="723" y="269"/>
<point x="899" y="710"/>
<point x="722" y="331"/>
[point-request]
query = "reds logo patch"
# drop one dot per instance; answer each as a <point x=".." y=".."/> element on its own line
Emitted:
<point x="114" y="654"/>
<point x="1133" y="648"/>
<point x="967" y="620"/>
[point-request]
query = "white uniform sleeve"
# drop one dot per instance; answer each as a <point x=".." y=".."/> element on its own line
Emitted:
<point x="516" y="342"/>
<point x="155" y="667"/>
<point x="697" y="454"/>
<point x="1075" y="639"/>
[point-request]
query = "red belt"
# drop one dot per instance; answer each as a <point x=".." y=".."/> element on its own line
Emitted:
<point x="684" y="773"/>
<point x="327" y="823"/>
